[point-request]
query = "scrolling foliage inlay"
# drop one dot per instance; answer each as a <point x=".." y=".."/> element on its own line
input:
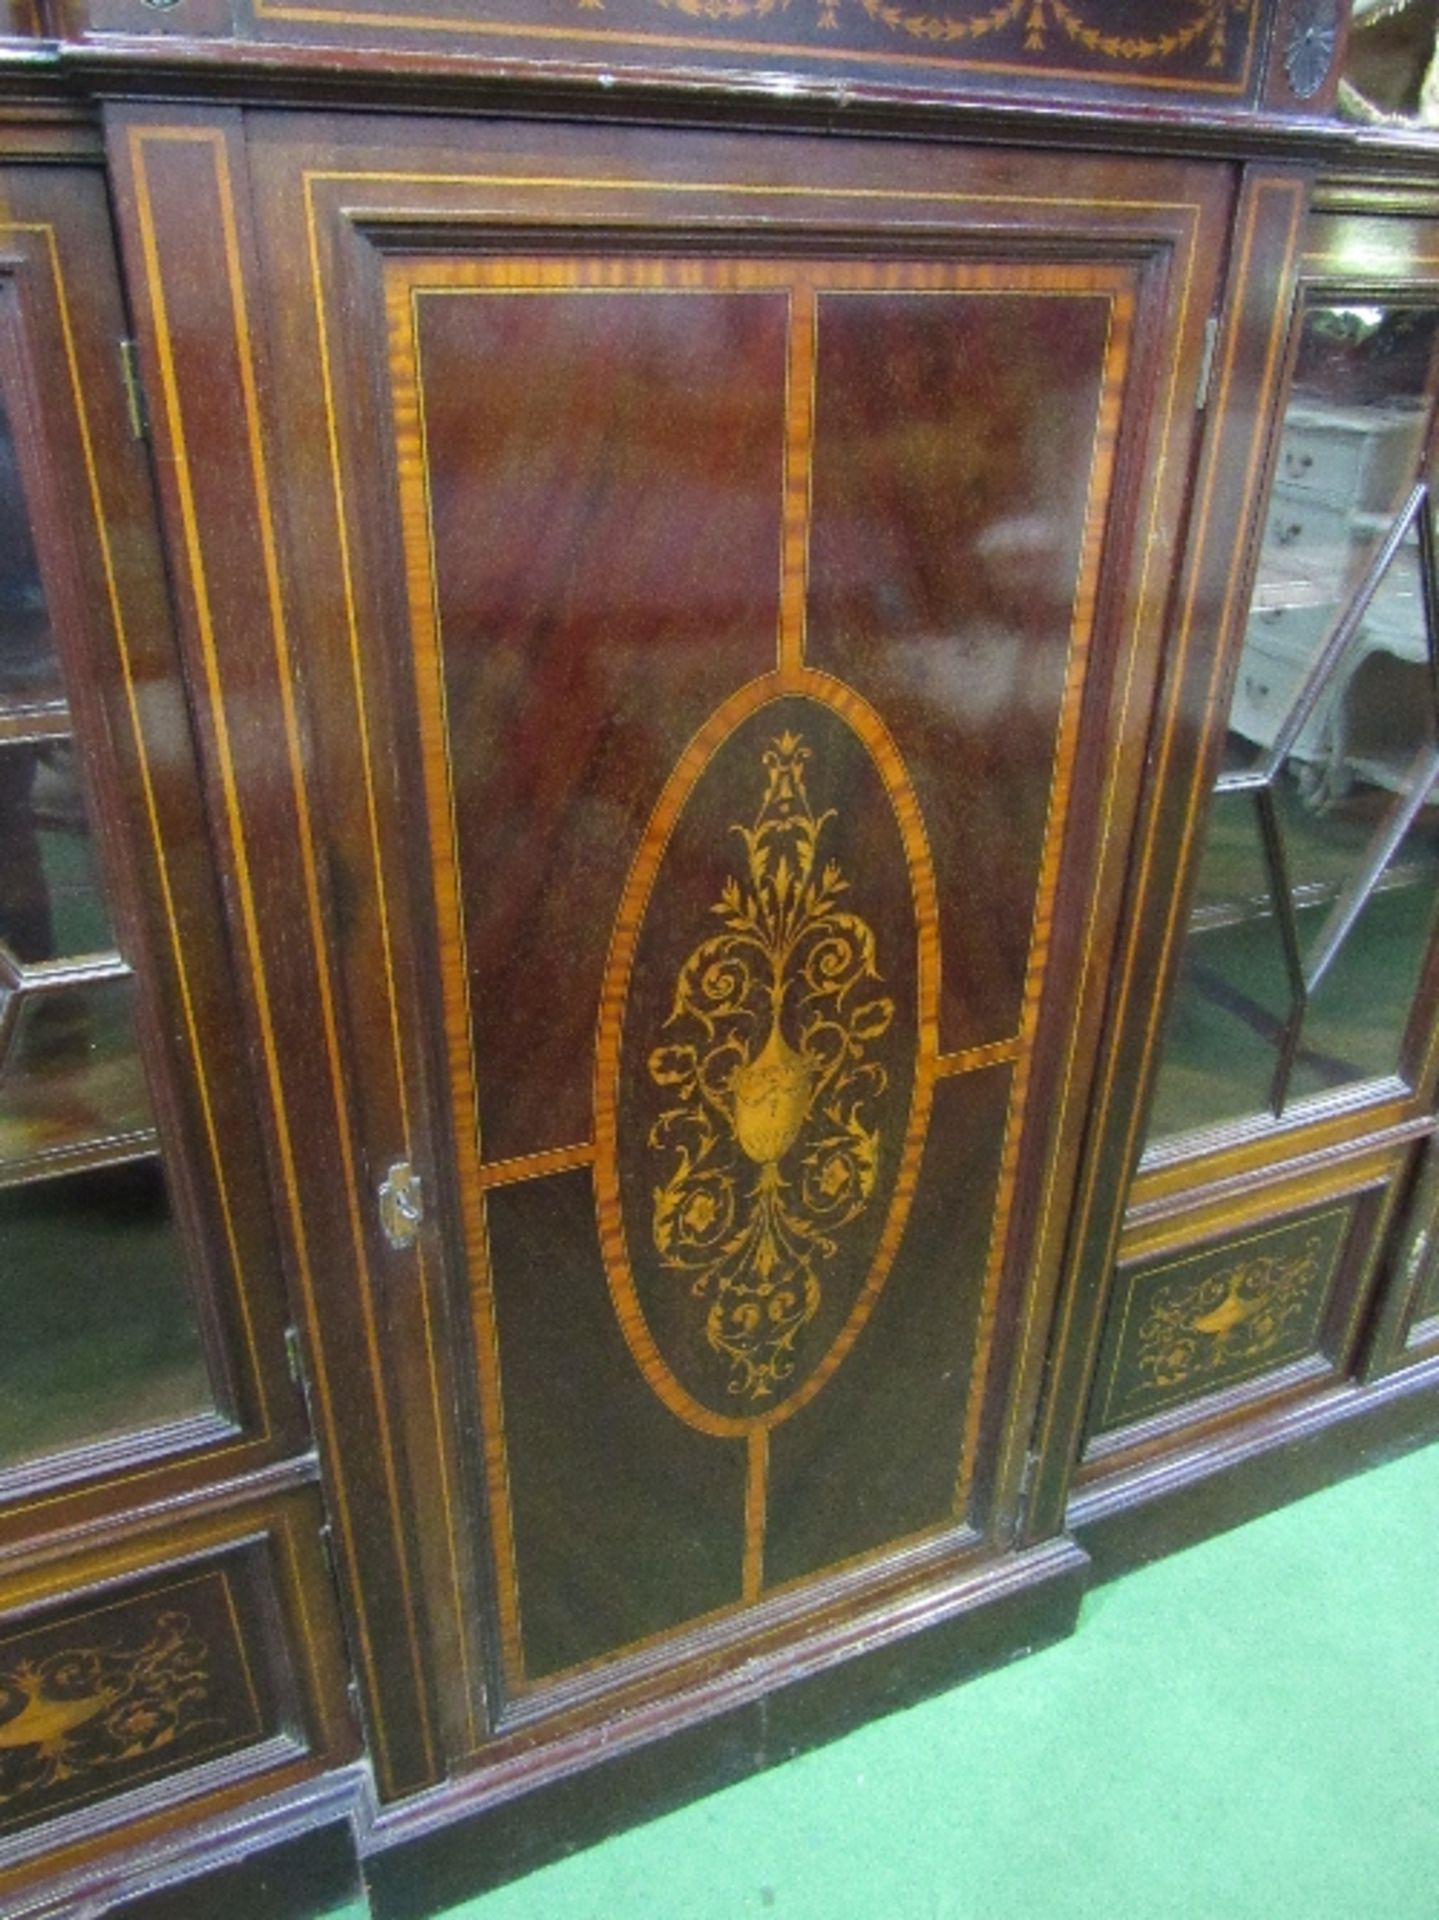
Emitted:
<point x="89" y="1709"/>
<point x="1200" y="1328"/>
<point x="771" y="1150"/>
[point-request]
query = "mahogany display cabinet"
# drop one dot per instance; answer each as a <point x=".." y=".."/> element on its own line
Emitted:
<point x="718" y="860"/>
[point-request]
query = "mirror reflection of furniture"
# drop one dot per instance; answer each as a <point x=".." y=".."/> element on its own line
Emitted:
<point x="82" y="1190"/>
<point x="1392" y="76"/>
<point x="1318" y="883"/>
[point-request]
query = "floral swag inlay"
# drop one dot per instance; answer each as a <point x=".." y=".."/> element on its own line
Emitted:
<point x="1197" y="27"/>
<point x="772" y="1149"/>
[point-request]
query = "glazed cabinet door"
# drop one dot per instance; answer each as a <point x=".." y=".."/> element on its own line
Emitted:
<point x="719" y="581"/>
<point x="167" y="1626"/>
<point x="1292" y="902"/>
<point x="142" y="1296"/>
<point x="1304" y="1004"/>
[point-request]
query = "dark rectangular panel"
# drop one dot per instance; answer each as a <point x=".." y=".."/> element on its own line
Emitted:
<point x="955" y="447"/>
<point x="603" y="470"/>
<point x="875" y="1456"/>
<point x="626" y="1521"/>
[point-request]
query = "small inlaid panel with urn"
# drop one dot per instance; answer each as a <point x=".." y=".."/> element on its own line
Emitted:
<point x="1186" y="1326"/>
<point x="123" y="1690"/>
<point x="161" y="1672"/>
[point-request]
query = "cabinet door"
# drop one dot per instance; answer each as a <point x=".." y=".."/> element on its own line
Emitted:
<point x="139" y="1281"/>
<point x="1305" y="998"/>
<point x="725" y="578"/>
<point x="1296" y="910"/>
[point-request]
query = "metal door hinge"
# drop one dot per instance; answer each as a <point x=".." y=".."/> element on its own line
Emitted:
<point x="1206" y="363"/>
<point x="135" y="407"/>
<point x="1026" y="1491"/>
<point x="402" y="1205"/>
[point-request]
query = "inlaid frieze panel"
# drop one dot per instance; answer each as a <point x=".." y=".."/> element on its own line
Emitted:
<point x="1181" y="1328"/>
<point x="1206" y="48"/>
<point x="121" y="1691"/>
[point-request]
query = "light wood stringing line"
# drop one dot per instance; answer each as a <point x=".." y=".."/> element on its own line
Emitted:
<point x="1278" y="332"/>
<point x="215" y="141"/>
<point x="381" y="891"/>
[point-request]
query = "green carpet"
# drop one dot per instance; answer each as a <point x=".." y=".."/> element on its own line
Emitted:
<point x="1248" y="1730"/>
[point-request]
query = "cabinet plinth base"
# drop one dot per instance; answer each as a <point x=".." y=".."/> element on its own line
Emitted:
<point x="474" y="1834"/>
<point x="1185" y="1498"/>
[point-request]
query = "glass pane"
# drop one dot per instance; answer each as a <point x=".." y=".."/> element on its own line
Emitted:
<point x="1335" y="749"/>
<point x="51" y="905"/>
<point x="100" y="1336"/>
<point x="1391" y="71"/>
<point x="1361" y="393"/>
<point x="70" y="1078"/>
<point x="1356" y="758"/>
<point x="29" y="672"/>
<point x="1354" y="1026"/>
<point x="1348" y="454"/>
<point x="1233" y="997"/>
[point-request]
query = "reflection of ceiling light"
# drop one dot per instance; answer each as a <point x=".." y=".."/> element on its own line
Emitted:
<point x="1363" y="248"/>
<point x="1366" y="316"/>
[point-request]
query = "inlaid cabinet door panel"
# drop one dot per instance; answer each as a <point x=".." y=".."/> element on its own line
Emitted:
<point x="725" y="577"/>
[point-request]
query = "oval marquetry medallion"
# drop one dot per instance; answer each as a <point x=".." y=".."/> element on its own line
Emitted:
<point x="765" y="1053"/>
